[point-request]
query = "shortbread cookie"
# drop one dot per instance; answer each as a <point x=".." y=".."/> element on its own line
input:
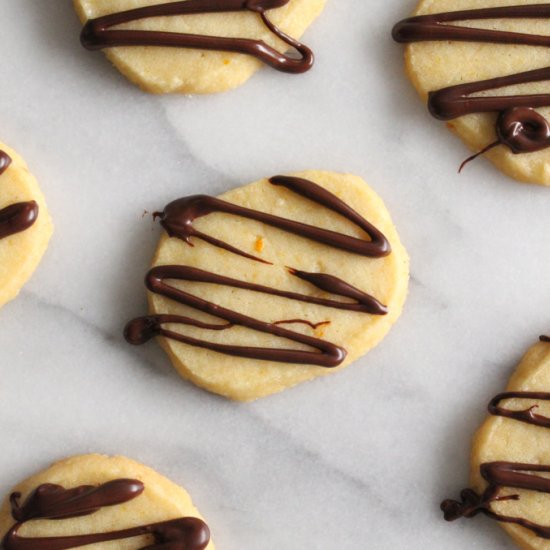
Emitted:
<point x="473" y="61"/>
<point x="247" y="301"/>
<point x="511" y="457"/>
<point x="101" y="502"/>
<point x="25" y="225"/>
<point x="198" y="46"/>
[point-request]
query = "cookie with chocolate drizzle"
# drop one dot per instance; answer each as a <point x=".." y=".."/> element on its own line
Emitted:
<point x="274" y="283"/>
<point x="198" y="46"/>
<point x="25" y="225"/>
<point x="483" y="66"/>
<point x="92" y="500"/>
<point x="511" y="457"/>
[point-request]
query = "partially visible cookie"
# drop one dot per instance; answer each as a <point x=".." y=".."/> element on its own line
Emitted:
<point x="198" y="46"/>
<point x="25" y="224"/>
<point x="248" y="301"/>
<point x="472" y="61"/>
<point x="101" y="502"/>
<point x="511" y="457"/>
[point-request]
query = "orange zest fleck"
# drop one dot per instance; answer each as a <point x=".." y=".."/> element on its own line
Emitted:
<point x="259" y="244"/>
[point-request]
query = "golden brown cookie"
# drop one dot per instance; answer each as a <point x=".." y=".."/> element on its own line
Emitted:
<point x="101" y="502"/>
<point x="274" y="283"/>
<point x="472" y="61"/>
<point x="511" y="457"/>
<point x="198" y="46"/>
<point x="25" y="224"/>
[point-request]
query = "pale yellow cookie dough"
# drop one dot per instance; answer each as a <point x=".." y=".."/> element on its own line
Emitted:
<point x="161" y="500"/>
<point x="245" y="379"/>
<point x="166" y="70"/>
<point x="21" y="253"/>
<point x="508" y="440"/>
<point x="435" y="65"/>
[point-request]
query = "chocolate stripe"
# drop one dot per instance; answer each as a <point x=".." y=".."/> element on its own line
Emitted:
<point x="97" y="33"/>
<point x="178" y="217"/>
<point x="54" y="502"/>
<point x="141" y="330"/>
<point x="528" y="415"/>
<point x="499" y="475"/>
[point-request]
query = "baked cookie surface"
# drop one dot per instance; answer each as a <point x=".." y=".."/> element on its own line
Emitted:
<point x="103" y="503"/>
<point x="448" y="66"/>
<point x="25" y="224"/>
<point x="510" y="458"/>
<point x="206" y="38"/>
<point x="309" y="307"/>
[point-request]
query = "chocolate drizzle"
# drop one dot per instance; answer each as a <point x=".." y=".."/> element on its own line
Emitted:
<point x="54" y="502"/>
<point x="18" y="217"/>
<point x="500" y="475"/>
<point x="50" y="501"/>
<point x="518" y="126"/>
<point x="99" y="33"/>
<point x="528" y="415"/>
<point x="141" y="330"/>
<point x="177" y="219"/>
<point x="545" y="339"/>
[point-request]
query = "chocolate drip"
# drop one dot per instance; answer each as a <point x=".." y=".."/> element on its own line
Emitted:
<point x="314" y="326"/>
<point x="98" y="33"/>
<point x="143" y="329"/>
<point x="500" y="475"/>
<point x="528" y="415"/>
<point x="518" y="126"/>
<point x="54" y="502"/>
<point x="5" y="161"/>
<point x="545" y="339"/>
<point x="16" y="218"/>
<point x="178" y="217"/>
<point x="178" y="534"/>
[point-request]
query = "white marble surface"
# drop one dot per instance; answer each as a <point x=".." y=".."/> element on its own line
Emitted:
<point x="358" y="460"/>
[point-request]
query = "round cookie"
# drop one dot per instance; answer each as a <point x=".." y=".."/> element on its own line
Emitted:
<point x="507" y="439"/>
<point x="197" y="71"/>
<point x="246" y="378"/>
<point x="509" y="446"/>
<point x="435" y="65"/>
<point x="25" y="224"/>
<point x="112" y="494"/>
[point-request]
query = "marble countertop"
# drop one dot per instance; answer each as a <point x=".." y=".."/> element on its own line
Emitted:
<point x="358" y="460"/>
